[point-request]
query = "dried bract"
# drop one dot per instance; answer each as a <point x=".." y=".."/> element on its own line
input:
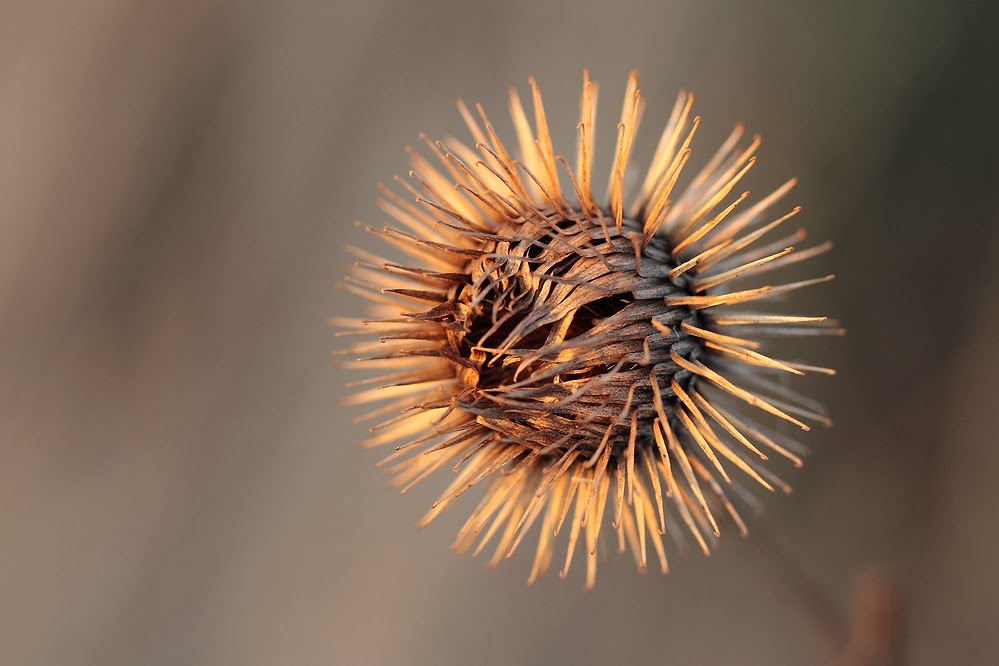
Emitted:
<point x="589" y="360"/>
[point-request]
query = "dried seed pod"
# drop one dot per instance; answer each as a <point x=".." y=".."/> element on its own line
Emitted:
<point x="582" y="358"/>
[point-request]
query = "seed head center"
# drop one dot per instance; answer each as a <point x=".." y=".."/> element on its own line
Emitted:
<point x="559" y="329"/>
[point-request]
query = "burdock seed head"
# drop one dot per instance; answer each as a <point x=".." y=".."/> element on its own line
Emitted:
<point x="589" y="359"/>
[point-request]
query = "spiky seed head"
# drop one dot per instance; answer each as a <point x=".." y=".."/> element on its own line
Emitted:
<point x="583" y="357"/>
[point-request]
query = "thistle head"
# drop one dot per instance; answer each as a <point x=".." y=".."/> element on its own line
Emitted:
<point x="592" y="361"/>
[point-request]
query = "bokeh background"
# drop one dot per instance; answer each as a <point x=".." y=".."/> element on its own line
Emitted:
<point x="178" y="482"/>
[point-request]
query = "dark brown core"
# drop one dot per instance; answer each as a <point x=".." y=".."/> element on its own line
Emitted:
<point x="554" y="331"/>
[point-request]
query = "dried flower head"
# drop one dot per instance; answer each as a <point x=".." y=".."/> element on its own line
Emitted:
<point x="581" y="356"/>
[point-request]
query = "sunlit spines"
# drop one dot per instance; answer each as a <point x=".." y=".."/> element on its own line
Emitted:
<point x="628" y="125"/>
<point x="665" y="152"/>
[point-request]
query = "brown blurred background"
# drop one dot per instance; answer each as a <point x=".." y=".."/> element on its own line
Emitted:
<point x="178" y="483"/>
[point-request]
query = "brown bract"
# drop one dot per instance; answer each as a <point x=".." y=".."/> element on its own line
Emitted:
<point x="582" y="358"/>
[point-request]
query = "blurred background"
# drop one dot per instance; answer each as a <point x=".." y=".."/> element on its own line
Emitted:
<point x="178" y="482"/>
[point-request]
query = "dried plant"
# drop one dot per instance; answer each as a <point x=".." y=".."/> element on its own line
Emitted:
<point x="580" y="356"/>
